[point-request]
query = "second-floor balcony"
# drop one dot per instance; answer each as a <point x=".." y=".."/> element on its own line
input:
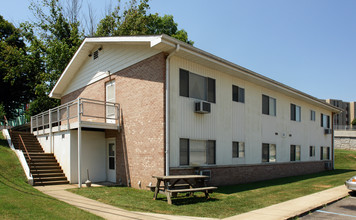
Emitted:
<point x="86" y="113"/>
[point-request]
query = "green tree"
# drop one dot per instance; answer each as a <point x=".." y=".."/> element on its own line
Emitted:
<point x="18" y="68"/>
<point x="136" y="21"/>
<point x="60" y="39"/>
<point x="353" y="122"/>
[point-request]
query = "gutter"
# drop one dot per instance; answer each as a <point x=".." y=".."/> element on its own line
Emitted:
<point x="167" y="108"/>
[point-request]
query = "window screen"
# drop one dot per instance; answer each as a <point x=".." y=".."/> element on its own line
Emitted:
<point x="184" y="151"/>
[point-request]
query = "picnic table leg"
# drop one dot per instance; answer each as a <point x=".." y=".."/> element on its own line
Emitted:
<point x="157" y="189"/>
<point x="169" y="199"/>
<point x="206" y="194"/>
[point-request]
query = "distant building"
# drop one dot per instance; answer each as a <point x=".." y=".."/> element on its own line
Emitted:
<point x="349" y="113"/>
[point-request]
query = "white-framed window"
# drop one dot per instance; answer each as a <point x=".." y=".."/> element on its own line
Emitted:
<point x="324" y="153"/>
<point x="195" y="86"/>
<point x="324" y="121"/>
<point x="311" y="151"/>
<point x="269" y="105"/>
<point x="238" y="94"/>
<point x="197" y="152"/>
<point x="268" y="153"/>
<point x="312" y="115"/>
<point x="238" y="149"/>
<point x="295" y="112"/>
<point x="295" y="153"/>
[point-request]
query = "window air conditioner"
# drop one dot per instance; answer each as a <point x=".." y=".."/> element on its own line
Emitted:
<point x="328" y="166"/>
<point x="327" y="131"/>
<point x="206" y="173"/>
<point x="202" y="107"/>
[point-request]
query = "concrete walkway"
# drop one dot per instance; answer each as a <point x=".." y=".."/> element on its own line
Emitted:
<point x="282" y="210"/>
<point x="295" y="207"/>
<point x="100" y="209"/>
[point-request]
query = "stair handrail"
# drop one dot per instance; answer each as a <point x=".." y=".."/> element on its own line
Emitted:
<point x="28" y="155"/>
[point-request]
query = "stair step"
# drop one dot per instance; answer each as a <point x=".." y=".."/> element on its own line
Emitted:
<point x="43" y="175"/>
<point x="45" y="179"/>
<point x="36" y="171"/>
<point x="34" y="165"/>
<point x="51" y="183"/>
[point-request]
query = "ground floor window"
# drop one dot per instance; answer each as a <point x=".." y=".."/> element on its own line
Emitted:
<point x="268" y="152"/>
<point x="197" y="152"/>
<point x="324" y="153"/>
<point x="295" y="153"/>
<point x="312" y="151"/>
<point x="238" y="149"/>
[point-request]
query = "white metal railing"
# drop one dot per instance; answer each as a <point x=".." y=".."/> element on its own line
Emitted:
<point x="89" y="110"/>
<point x="345" y="127"/>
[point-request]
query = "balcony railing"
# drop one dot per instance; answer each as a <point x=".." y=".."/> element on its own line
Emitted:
<point x="79" y="111"/>
<point x="345" y="127"/>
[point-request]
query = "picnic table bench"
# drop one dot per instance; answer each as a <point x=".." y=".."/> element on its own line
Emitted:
<point x="171" y="187"/>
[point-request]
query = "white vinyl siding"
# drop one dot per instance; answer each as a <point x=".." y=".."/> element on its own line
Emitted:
<point x="112" y="58"/>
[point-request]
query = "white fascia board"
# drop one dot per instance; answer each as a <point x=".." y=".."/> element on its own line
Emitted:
<point x="68" y="74"/>
<point x="54" y="93"/>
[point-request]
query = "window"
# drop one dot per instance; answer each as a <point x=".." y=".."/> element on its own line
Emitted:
<point x="268" y="105"/>
<point x="311" y="151"/>
<point x="184" y="151"/>
<point x="268" y="152"/>
<point x="238" y="94"/>
<point x="295" y="112"/>
<point x="196" y="152"/>
<point x="312" y="115"/>
<point x="325" y="121"/>
<point x="324" y="153"/>
<point x="295" y="153"/>
<point x="196" y="86"/>
<point x="238" y="149"/>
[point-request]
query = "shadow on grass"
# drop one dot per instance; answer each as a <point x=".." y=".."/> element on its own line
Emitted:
<point x="4" y="143"/>
<point x="275" y="182"/>
<point x="184" y="200"/>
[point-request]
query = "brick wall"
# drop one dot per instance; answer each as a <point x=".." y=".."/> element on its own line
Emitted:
<point x="140" y="91"/>
<point x="229" y="175"/>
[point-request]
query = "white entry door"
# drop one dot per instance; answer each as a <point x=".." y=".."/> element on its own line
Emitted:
<point x="110" y="97"/>
<point x="111" y="160"/>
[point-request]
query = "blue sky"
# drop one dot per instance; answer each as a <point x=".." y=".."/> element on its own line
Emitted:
<point x="309" y="45"/>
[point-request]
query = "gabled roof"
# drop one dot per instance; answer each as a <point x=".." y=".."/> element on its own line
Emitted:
<point x="168" y="44"/>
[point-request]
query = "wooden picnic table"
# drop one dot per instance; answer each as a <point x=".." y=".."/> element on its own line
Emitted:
<point x="171" y="186"/>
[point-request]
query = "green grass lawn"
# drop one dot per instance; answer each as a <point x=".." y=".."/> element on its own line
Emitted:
<point x="19" y="200"/>
<point x="229" y="200"/>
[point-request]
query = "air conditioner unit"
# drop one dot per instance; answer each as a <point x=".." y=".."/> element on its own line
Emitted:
<point x="202" y="107"/>
<point x="327" y="131"/>
<point x="206" y="173"/>
<point x="328" y="166"/>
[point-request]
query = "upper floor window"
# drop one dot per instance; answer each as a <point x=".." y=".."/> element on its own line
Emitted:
<point x="295" y="112"/>
<point x="196" y="86"/>
<point x="312" y="115"/>
<point x="324" y="120"/>
<point x="268" y="152"/>
<point x="269" y="105"/>
<point x="238" y="149"/>
<point x="238" y="94"/>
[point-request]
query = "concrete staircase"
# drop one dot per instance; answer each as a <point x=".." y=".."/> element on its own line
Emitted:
<point x="43" y="166"/>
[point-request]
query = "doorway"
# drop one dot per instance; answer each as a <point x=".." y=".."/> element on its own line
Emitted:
<point x="111" y="160"/>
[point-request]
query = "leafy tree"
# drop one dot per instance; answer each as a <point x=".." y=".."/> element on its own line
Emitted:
<point x="18" y="68"/>
<point x="61" y="38"/>
<point x="353" y="122"/>
<point x="136" y="21"/>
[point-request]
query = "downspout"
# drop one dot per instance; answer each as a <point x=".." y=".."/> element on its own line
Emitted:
<point x="332" y="139"/>
<point x="167" y="107"/>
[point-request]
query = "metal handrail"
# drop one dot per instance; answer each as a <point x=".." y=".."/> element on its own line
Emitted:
<point x="43" y="120"/>
<point x="28" y="155"/>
